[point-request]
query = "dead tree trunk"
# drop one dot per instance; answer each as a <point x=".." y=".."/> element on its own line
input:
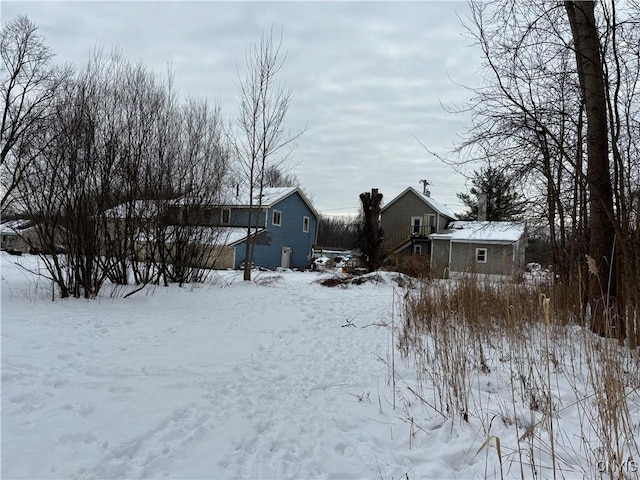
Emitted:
<point x="370" y="232"/>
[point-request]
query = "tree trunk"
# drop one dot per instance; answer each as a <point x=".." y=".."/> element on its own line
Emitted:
<point x="371" y="234"/>
<point x="601" y="284"/>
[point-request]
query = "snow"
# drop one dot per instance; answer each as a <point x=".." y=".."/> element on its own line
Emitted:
<point x="202" y="235"/>
<point x="280" y="377"/>
<point x="141" y="209"/>
<point x="270" y="195"/>
<point x="14" y="226"/>
<point x="474" y="231"/>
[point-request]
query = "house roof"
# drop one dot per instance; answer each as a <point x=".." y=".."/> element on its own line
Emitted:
<point x="147" y="209"/>
<point x="236" y="235"/>
<point x="482" y="232"/>
<point x="270" y="196"/>
<point x="15" y="226"/>
<point x="430" y="202"/>
<point x="203" y="235"/>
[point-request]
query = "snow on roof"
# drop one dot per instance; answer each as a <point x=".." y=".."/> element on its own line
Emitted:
<point x="491" y="232"/>
<point x="235" y="235"/>
<point x="14" y="226"/>
<point x="136" y="209"/>
<point x="202" y="235"/>
<point x="435" y="205"/>
<point x="270" y="195"/>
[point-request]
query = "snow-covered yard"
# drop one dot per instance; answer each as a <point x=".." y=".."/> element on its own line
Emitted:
<point x="280" y="377"/>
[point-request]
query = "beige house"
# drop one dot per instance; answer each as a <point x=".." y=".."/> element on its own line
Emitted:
<point x="19" y="236"/>
<point x="139" y="226"/>
<point x="492" y="248"/>
<point x="192" y="246"/>
<point x="409" y="220"/>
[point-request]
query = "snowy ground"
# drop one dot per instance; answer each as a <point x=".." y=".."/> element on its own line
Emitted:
<point x="277" y="378"/>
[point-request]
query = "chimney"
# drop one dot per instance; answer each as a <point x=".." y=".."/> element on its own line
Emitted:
<point x="482" y="207"/>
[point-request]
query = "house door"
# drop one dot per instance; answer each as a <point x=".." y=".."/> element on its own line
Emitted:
<point x="416" y="225"/>
<point x="286" y="257"/>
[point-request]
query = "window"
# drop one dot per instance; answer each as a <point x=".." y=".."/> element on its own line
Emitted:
<point x="416" y="225"/>
<point x="417" y="249"/>
<point x="305" y="224"/>
<point x="481" y="255"/>
<point x="432" y="223"/>
<point x="226" y="216"/>
<point x="276" y="218"/>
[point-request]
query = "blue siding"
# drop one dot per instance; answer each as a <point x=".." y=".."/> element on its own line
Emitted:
<point x="268" y="251"/>
<point x="239" y="217"/>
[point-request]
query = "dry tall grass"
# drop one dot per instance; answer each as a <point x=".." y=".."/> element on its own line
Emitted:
<point x="478" y="341"/>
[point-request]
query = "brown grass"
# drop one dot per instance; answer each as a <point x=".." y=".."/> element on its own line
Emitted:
<point x="528" y="339"/>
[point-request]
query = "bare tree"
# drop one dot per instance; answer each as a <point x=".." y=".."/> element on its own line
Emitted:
<point x="119" y="152"/>
<point x="274" y="177"/>
<point x="194" y="238"/>
<point x="557" y="111"/>
<point x="339" y="232"/>
<point x="601" y="215"/>
<point x="262" y="142"/>
<point x="28" y="84"/>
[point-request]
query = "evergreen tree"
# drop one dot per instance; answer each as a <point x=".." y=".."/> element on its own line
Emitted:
<point x="502" y="201"/>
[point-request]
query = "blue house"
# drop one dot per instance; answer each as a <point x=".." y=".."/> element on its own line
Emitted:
<point x="285" y="227"/>
<point x="284" y="224"/>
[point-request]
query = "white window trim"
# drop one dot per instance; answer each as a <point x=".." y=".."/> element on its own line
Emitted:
<point x="306" y="222"/>
<point x="417" y="249"/>
<point x="273" y="218"/>
<point x="478" y="250"/>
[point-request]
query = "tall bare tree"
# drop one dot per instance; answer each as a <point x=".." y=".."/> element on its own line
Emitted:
<point x="602" y="219"/>
<point x="557" y="110"/>
<point x="28" y="84"/>
<point x="119" y="152"/>
<point x="262" y="141"/>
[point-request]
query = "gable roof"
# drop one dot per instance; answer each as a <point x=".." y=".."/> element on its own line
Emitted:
<point x="148" y="209"/>
<point x="270" y="197"/>
<point x="430" y="202"/>
<point x="482" y="232"/>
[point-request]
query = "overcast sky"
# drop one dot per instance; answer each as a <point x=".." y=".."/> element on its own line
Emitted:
<point x="368" y="78"/>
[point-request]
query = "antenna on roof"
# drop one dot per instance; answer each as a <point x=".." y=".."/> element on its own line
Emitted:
<point x="425" y="190"/>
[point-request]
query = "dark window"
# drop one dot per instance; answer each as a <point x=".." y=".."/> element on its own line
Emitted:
<point x="276" y="218"/>
<point x="226" y="216"/>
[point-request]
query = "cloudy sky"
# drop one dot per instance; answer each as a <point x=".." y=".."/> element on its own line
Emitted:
<point x="368" y="78"/>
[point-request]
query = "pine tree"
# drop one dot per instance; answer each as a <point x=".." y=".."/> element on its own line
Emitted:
<point x="502" y="201"/>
